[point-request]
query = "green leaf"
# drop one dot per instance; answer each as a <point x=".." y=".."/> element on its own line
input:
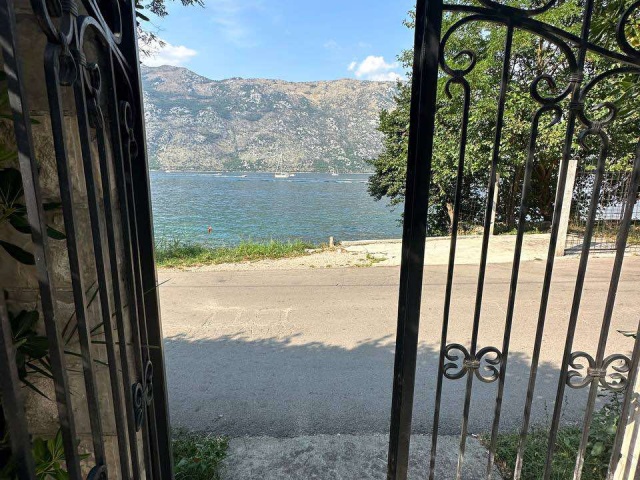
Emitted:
<point x="37" y="347"/>
<point x="10" y="185"/>
<point x="25" y="321"/>
<point x="597" y="449"/>
<point x="58" y="447"/>
<point x="20" y="223"/>
<point x="39" y="450"/>
<point x="55" y="234"/>
<point x="7" y="155"/>
<point x="18" y="253"/>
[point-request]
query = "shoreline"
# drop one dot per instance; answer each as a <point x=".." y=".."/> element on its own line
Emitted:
<point x="386" y="253"/>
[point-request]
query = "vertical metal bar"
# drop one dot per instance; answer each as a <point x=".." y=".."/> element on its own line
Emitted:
<point x="116" y="151"/>
<point x="140" y="176"/>
<point x="139" y="329"/>
<point x="635" y="358"/>
<point x="576" y="80"/>
<point x="450" y="271"/>
<point x="621" y="243"/>
<point x="575" y="307"/>
<point x="133" y="292"/>
<point x="52" y="56"/>
<point x="575" y="106"/>
<point x="112" y="253"/>
<point x="504" y="80"/>
<point x="35" y="216"/>
<point x="12" y="402"/>
<point x="522" y="218"/>
<point x="142" y="318"/>
<point x="98" y="248"/>
<point x="546" y="289"/>
<point x="421" y="131"/>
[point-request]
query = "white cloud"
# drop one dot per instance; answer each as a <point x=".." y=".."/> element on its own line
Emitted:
<point x="163" y="53"/>
<point x="375" y="68"/>
<point x="230" y="19"/>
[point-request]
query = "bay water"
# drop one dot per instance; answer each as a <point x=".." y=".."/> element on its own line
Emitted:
<point x="260" y="207"/>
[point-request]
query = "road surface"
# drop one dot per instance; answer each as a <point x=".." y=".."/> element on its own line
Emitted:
<point x="310" y="351"/>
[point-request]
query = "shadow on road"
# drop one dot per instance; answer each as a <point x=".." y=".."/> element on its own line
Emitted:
<point x="282" y="387"/>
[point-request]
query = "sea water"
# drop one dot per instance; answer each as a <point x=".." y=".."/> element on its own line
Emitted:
<point x="259" y="207"/>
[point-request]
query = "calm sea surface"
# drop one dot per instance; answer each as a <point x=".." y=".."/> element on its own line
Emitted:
<point x="309" y="206"/>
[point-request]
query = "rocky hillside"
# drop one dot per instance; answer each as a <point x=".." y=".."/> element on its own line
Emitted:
<point x="194" y="123"/>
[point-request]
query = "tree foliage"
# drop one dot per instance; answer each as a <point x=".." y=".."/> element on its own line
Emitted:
<point x="532" y="56"/>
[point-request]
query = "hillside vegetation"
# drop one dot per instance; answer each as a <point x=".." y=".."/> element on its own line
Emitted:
<point x="194" y="123"/>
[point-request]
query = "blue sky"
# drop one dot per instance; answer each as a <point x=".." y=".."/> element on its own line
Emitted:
<point x="296" y="40"/>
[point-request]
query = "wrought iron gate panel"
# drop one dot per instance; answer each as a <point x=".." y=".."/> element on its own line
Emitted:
<point x="612" y="203"/>
<point x="574" y="105"/>
<point x="90" y="60"/>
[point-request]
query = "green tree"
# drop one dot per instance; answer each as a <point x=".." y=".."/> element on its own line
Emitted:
<point x="532" y="56"/>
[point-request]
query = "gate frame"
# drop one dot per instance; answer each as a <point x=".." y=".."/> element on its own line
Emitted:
<point x="155" y="404"/>
<point x="421" y="129"/>
<point x="428" y="58"/>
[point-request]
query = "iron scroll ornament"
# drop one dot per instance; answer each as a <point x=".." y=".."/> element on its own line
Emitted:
<point x="99" y="472"/>
<point x="485" y="364"/>
<point x="142" y="393"/>
<point x="58" y="20"/>
<point x="616" y="381"/>
<point x="523" y="19"/>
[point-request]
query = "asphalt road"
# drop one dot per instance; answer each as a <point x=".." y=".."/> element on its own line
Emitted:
<point x="303" y="352"/>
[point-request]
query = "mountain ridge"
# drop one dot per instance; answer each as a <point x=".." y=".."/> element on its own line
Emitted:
<point x="198" y="124"/>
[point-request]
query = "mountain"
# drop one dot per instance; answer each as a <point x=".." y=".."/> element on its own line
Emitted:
<point x="194" y="123"/>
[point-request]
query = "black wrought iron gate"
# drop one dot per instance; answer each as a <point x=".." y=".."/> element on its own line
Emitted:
<point x="589" y="121"/>
<point x="72" y="73"/>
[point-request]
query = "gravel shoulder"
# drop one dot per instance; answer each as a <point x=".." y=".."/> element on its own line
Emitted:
<point x="386" y="253"/>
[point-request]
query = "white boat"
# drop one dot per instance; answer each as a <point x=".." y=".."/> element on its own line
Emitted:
<point x="334" y="172"/>
<point x="292" y="174"/>
<point x="279" y="173"/>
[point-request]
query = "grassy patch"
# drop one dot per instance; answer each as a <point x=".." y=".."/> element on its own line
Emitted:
<point x="370" y="260"/>
<point x="180" y="254"/>
<point x="598" y="453"/>
<point x="198" y="456"/>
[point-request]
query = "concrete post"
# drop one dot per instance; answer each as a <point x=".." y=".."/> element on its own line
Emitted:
<point x="566" y="207"/>
<point x="628" y="466"/>
<point x="494" y="203"/>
